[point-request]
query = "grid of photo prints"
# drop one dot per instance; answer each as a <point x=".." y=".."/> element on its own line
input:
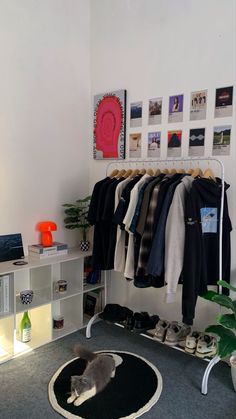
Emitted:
<point x="221" y="133"/>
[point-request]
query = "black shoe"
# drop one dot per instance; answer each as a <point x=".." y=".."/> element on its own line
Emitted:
<point x="129" y="323"/>
<point x="145" y="323"/>
<point x="114" y="313"/>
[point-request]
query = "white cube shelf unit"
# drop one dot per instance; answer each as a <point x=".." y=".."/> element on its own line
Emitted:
<point x="41" y="276"/>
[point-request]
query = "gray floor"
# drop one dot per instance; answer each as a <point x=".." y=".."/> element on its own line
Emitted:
<point x="24" y="380"/>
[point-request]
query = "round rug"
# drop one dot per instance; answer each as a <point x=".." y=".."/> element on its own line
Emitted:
<point x="136" y="387"/>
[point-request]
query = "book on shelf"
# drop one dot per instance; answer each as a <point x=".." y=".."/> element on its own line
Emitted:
<point x="47" y="254"/>
<point x="39" y="248"/>
<point x="93" y="302"/>
<point x="4" y="294"/>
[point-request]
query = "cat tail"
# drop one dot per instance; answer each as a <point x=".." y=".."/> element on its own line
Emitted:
<point x="84" y="353"/>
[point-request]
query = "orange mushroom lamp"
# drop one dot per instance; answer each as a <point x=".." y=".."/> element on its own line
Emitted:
<point x="45" y="228"/>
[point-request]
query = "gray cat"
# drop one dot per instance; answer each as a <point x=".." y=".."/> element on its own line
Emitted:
<point x="97" y="374"/>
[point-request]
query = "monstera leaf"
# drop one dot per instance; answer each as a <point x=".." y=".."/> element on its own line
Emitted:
<point x="226" y="327"/>
<point x="226" y="285"/>
<point x="222" y="300"/>
<point x="227" y="340"/>
<point x="227" y="320"/>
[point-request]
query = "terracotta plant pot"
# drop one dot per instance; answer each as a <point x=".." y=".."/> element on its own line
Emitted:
<point x="84" y="245"/>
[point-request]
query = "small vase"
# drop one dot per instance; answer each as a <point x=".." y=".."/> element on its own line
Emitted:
<point x="233" y="370"/>
<point x="84" y="245"/>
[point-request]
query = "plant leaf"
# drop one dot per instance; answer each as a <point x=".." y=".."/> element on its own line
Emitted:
<point x="222" y="300"/>
<point x="227" y="342"/>
<point x="226" y="285"/>
<point x="69" y="220"/>
<point x="227" y="320"/>
<point x="209" y="295"/>
<point x="84" y="199"/>
<point x="71" y="226"/>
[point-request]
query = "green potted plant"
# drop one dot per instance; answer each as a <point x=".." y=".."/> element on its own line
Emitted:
<point x="77" y="217"/>
<point x="226" y="327"/>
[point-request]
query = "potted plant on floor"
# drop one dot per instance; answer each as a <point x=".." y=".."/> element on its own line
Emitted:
<point x="77" y="217"/>
<point x="226" y="327"/>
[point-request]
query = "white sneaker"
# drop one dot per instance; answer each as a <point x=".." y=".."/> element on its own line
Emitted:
<point x="191" y="342"/>
<point x="176" y="333"/>
<point x="161" y="329"/>
<point x="206" y="346"/>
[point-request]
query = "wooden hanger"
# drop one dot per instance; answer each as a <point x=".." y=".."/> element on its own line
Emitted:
<point x="135" y="172"/>
<point x="128" y="173"/>
<point x="166" y="171"/>
<point x="114" y="173"/>
<point x="172" y="171"/>
<point x="157" y="172"/>
<point x="121" y="173"/>
<point x="181" y="171"/>
<point x="190" y="171"/>
<point x="150" y="172"/>
<point x="142" y="172"/>
<point x="209" y="174"/>
<point x="197" y="172"/>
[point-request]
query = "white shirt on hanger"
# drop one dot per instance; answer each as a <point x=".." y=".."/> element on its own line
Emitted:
<point x="119" y="255"/>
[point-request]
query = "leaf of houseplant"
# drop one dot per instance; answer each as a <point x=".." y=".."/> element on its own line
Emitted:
<point x="222" y="300"/>
<point x="69" y="220"/>
<point x="226" y="285"/>
<point x="227" y="320"/>
<point x="74" y="212"/>
<point x="86" y="199"/>
<point x="209" y="295"/>
<point x="227" y="342"/>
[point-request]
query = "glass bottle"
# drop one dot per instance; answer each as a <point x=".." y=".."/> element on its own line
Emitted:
<point x="25" y="328"/>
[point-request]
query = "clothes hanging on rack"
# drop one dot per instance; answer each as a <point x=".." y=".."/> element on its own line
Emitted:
<point x="161" y="230"/>
<point x="175" y="237"/>
<point x="202" y="242"/>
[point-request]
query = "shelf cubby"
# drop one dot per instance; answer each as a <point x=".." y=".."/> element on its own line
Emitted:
<point x="40" y="276"/>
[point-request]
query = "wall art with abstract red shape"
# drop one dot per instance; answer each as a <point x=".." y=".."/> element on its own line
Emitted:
<point x="109" y="125"/>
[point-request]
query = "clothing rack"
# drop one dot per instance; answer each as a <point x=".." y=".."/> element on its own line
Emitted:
<point x="159" y="163"/>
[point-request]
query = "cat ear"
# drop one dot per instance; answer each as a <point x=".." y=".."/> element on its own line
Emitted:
<point x="74" y="378"/>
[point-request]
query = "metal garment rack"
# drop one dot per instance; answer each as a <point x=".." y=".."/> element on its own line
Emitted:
<point x="159" y="163"/>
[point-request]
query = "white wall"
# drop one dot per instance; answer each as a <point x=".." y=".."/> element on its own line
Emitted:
<point x="44" y="112"/>
<point x="158" y="48"/>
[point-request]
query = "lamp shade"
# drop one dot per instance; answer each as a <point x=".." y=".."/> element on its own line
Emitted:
<point x="45" y="228"/>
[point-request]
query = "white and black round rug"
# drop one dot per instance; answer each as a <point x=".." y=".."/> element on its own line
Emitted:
<point x="136" y="387"/>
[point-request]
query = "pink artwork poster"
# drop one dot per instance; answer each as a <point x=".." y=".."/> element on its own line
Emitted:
<point x="109" y="125"/>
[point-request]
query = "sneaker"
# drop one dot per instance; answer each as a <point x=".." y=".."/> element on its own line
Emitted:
<point x="129" y="323"/>
<point x="206" y="346"/>
<point x="176" y="334"/>
<point x="191" y="342"/>
<point x="160" y="331"/>
<point x="143" y="322"/>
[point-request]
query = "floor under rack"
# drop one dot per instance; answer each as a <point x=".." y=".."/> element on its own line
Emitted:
<point x="177" y="347"/>
<point x="210" y="361"/>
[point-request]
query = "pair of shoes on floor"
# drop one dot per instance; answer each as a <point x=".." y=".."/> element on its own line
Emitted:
<point x="140" y="322"/>
<point x="115" y="313"/>
<point x="172" y="333"/>
<point x="201" y="344"/>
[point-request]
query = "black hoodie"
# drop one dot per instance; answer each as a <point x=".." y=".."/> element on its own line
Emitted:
<point x="201" y="254"/>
